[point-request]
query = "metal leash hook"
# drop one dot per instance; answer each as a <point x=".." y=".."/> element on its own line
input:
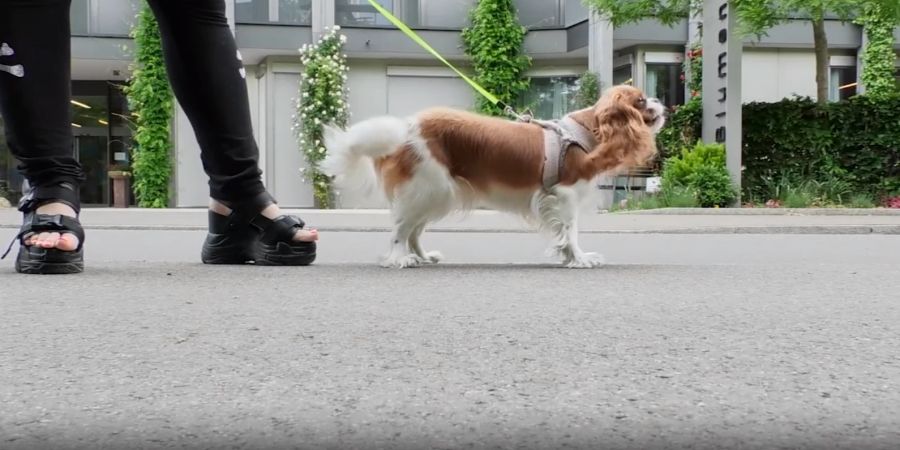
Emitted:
<point x="527" y="117"/>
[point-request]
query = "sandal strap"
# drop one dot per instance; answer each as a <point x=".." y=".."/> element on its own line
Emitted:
<point x="37" y="196"/>
<point x="38" y="223"/>
<point x="281" y="229"/>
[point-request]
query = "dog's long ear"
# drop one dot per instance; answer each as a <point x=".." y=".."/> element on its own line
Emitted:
<point x="624" y="140"/>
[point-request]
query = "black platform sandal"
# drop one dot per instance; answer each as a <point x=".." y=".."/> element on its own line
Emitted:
<point x="38" y="260"/>
<point x="246" y="236"/>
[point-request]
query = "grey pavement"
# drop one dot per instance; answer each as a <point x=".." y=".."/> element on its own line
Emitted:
<point x="751" y="341"/>
<point x="741" y="221"/>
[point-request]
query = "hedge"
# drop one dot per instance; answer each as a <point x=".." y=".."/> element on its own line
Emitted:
<point x="855" y="141"/>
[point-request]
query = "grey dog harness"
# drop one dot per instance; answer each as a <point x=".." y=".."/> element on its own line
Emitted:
<point x="558" y="136"/>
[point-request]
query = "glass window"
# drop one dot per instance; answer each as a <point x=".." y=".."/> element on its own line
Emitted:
<point x="359" y="13"/>
<point x="623" y="75"/>
<point x="115" y="17"/>
<point x="841" y="83"/>
<point x="452" y="14"/>
<point x="664" y="82"/>
<point x="79" y="17"/>
<point x="440" y="14"/>
<point x="282" y="12"/>
<point x="550" y="97"/>
<point x="539" y="14"/>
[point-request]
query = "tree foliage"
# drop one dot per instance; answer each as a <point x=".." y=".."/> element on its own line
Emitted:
<point x="757" y="16"/>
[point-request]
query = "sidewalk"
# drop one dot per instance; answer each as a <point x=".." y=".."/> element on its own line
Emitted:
<point x="672" y="221"/>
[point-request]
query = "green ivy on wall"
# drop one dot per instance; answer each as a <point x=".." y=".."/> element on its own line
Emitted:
<point x="494" y="42"/>
<point x="151" y="102"/>
<point x="588" y="90"/>
<point x="878" y="56"/>
<point x="322" y="100"/>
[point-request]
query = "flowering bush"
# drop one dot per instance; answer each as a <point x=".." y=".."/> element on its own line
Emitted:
<point x="892" y="202"/>
<point x="322" y="100"/>
<point x="695" y="63"/>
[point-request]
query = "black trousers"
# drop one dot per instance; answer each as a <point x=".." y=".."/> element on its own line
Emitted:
<point x="204" y="69"/>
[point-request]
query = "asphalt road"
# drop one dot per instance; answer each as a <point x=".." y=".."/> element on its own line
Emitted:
<point x="682" y="341"/>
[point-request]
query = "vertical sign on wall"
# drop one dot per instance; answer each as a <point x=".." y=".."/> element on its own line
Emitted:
<point x="722" y="50"/>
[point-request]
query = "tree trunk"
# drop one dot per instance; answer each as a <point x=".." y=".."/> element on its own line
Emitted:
<point x="822" y="61"/>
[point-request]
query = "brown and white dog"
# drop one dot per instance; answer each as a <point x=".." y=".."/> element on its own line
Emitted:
<point x="442" y="161"/>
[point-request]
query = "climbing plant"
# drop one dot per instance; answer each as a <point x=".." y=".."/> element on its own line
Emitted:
<point x="151" y="102"/>
<point x="878" y="57"/>
<point x="322" y="100"/>
<point x="588" y="90"/>
<point x="494" y="41"/>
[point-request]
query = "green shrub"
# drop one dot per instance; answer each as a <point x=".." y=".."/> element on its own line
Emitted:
<point x="684" y="127"/>
<point x="798" y="197"/>
<point x="713" y="185"/>
<point x="679" y="197"/>
<point x="861" y="201"/>
<point x="678" y="169"/>
<point x="700" y="170"/>
<point x="675" y="197"/>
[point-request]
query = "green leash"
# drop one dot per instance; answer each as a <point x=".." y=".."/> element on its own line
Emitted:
<point x="415" y="37"/>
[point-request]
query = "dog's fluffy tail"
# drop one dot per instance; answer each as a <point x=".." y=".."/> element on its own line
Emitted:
<point x="350" y="153"/>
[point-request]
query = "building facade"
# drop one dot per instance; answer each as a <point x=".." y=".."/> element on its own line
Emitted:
<point x="389" y="74"/>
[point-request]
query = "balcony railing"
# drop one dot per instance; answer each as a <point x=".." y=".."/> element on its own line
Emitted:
<point x="274" y="12"/>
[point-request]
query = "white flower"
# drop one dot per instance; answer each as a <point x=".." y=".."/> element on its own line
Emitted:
<point x="336" y="27"/>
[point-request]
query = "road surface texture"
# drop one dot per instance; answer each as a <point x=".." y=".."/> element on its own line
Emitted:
<point x="682" y="341"/>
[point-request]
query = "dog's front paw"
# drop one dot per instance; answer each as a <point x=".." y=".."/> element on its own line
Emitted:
<point x="586" y="261"/>
<point x="433" y="257"/>
<point x="402" y="262"/>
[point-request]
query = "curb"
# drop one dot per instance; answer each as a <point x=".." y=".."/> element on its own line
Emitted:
<point x="837" y="212"/>
<point x="794" y="230"/>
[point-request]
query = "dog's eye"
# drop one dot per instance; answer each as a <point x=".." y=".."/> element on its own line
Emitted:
<point x="641" y="102"/>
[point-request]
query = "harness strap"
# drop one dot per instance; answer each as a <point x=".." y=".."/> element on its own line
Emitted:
<point x="558" y="137"/>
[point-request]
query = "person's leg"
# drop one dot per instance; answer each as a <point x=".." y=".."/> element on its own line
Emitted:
<point x="35" y="89"/>
<point x="208" y="79"/>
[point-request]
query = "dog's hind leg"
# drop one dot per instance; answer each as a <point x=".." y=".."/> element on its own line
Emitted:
<point x="416" y="246"/>
<point x="412" y="210"/>
<point x="400" y="255"/>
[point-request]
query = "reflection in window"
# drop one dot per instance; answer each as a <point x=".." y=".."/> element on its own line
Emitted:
<point x="282" y="12"/>
<point x="539" y="14"/>
<point x="664" y="82"/>
<point x="550" y="97"/>
<point x="103" y="17"/>
<point x="623" y="75"/>
<point x="841" y="83"/>
<point x="439" y="14"/>
<point x="360" y="13"/>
